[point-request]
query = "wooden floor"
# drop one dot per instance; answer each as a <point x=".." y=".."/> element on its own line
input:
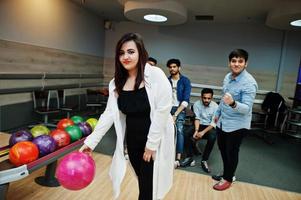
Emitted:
<point x="187" y="185"/>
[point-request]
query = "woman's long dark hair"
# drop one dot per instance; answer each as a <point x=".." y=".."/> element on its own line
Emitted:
<point x="121" y="74"/>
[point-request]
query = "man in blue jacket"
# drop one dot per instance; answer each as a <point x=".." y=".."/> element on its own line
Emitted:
<point x="181" y="89"/>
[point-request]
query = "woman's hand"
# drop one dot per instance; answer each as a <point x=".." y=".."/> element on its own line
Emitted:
<point x="86" y="149"/>
<point x="148" y="154"/>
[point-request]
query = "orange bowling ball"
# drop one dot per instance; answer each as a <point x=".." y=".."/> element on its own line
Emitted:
<point x="23" y="153"/>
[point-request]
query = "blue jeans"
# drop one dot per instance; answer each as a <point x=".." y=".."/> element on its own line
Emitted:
<point x="180" y="129"/>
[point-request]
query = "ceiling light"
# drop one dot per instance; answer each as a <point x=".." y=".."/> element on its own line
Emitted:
<point x="155" y="18"/>
<point x="296" y="23"/>
<point x="166" y="12"/>
<point x="284" y="14"/>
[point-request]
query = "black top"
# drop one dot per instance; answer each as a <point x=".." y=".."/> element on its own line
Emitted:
<point x="135" y="105"/>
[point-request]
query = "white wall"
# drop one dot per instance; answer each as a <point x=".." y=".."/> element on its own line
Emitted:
<point x="208" y="45"/>
<point x="58" y="24"/>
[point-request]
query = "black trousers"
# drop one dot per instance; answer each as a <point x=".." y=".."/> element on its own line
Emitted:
<point x="229" y="144"/>
<point x="144" y="172"/>
<point x="210" y="136"/>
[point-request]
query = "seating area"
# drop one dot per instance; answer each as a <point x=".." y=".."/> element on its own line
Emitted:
<point x="56" y="104"/>
<point x="46" y="103"/>
<point x="96" y="100"/>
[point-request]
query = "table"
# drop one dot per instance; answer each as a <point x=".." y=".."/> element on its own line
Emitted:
<point x="9" y="173"/>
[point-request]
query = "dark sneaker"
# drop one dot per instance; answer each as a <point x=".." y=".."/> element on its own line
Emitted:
<point x="205" y="166"/>
<point x="187" y="162"/>
<point x="219" y="178"/>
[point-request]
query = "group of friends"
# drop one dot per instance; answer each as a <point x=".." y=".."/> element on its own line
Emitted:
<point x="148" y="111"/>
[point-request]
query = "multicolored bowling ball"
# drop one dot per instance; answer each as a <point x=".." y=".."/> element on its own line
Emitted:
<point x="61" y="137"/>
<point x="45" y="143"/>
<point x="75" y="171"/>
<point x="39" y="130"/>
<point x="77" y="119"/>
<point x="85" y="128"/>
<point x="19" y="136"/>
<point x="92" y="122"/>
<point x="74" y="132"/>
<point x="64" y="123"/>
<point x="23" y="152"/>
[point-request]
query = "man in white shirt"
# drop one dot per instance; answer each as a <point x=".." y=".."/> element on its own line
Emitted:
<point x="204" y="126"/>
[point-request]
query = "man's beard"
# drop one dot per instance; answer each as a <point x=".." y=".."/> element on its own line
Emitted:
<point x="206" y="103"/>
<point x="174" y="72"/>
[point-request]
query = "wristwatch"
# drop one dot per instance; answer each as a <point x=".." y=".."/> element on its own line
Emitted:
<point x="233" y="104"/>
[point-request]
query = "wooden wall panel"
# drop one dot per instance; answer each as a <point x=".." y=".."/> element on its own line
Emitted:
<point x="24" y="58"/>
<point x="18" y="57"/>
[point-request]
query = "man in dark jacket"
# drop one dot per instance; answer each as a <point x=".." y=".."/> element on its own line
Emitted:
<point x="181" y="89"/>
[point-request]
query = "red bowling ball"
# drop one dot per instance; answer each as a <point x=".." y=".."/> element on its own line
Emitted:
<point x="64" y="123"/>
<point x="61" y="137"/>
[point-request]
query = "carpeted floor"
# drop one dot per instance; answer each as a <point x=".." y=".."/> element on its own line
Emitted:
<point x="276" y="165"/>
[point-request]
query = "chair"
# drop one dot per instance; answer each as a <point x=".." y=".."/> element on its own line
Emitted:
<point x="275" y="110"/>
<point x="274" y="114"/>
<point x="97" y="99"/>
<point x="46" y="102"/>
<point x="292" y="125"/>
<point x="66" y="106"/>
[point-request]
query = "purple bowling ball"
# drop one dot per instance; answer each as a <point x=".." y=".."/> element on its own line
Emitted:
<point x="46" y="144"/>
<point x="19" y="136"/>
<point x="85" y="128"/>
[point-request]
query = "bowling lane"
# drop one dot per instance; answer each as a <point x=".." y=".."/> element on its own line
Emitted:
<point x="4" y="138"/>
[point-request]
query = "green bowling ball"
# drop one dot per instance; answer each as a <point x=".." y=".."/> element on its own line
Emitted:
<point x="92" y="122"/>
<point x="39" y="130"/>
<point x="74" y="132"/>
<point x="77" y="119"/>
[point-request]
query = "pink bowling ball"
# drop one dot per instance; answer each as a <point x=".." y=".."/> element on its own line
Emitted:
<point x="76" y="171"/>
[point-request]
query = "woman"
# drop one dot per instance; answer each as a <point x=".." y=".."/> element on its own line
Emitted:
<point x="139" y="106"/>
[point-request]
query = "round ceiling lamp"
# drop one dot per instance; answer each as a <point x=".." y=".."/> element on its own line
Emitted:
<point x="285" y="16"/>
<point x="296" y="23"/>
<point x="156" y="12"/>
<point x="155" y="18"/>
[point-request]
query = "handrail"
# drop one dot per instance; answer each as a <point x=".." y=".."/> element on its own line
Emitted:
<point x="196" y="85"/>
<point x="219" y="97"/>
<point x="8" y="76"/>
<point x="50" y="87"/>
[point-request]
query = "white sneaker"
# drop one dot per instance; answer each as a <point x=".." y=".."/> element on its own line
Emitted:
<point x="176" y="164"/>
<point x="192" y="164"/>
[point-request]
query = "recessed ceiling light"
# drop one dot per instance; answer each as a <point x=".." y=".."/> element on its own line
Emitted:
<point x="155" y="18"/>
<point x="296" y="22"/>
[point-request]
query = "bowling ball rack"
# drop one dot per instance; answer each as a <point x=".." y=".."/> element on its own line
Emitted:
<point x="9" y="173"/>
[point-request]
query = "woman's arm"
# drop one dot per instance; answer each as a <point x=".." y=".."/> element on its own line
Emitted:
<point x="163" y="99"/>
